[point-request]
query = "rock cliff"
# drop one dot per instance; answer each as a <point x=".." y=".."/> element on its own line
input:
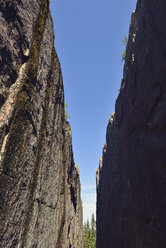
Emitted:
<point x="131" y="178"/>
<point x="40" y="203"/>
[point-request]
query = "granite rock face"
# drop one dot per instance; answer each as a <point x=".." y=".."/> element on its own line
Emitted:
<point x="131" y="192"/>
<point x="40" y="203"/>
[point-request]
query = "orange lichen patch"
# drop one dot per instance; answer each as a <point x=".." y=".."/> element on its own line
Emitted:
<point x="112" y="117"/>
<point x="77" y="168"/>
<point x="100" y="163"/>
<point x="97" y="177"/>
<point x="98" y="171"/>
<point x="105" y="148"/>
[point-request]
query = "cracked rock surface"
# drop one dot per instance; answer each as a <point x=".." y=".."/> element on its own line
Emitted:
<point x="40" y="204"/>
<point x="131" y="179"/>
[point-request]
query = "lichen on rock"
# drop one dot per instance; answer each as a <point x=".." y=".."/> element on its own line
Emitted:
<point x="37" y="170"/>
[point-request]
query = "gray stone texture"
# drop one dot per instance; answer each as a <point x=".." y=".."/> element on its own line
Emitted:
<point x="131" y="192"/>
<point x="40" y="204"/>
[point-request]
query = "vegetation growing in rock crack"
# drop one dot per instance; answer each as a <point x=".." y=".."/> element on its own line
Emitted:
<point x="90" y="233"/>
<point x="68" y="129"/>
<point x="66" y="112"/>
<point x="124" y="52"/>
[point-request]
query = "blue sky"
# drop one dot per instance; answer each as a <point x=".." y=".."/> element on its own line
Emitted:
<point x="88" y="40"/>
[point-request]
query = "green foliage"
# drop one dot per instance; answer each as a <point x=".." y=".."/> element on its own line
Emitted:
<point x="90" y="233"/>
<point x="123" y="55"/>
<point x="66" y="112"/>
<point x="68" y="129"/>
<point x="124" y="52"/>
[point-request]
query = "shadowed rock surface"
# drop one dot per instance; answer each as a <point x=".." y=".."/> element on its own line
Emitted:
<point x="131" y="192"/>
<point x="40" y="203"/>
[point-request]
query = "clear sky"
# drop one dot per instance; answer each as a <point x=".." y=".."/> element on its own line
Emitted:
<point x="88" y="40"/>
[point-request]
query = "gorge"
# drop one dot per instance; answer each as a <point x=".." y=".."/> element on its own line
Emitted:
<point x="40" y="189"/>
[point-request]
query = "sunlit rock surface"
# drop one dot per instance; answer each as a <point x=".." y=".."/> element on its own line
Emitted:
<point x="40" y="205"/>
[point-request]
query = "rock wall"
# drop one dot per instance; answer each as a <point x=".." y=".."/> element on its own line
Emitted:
<point x="40" y="203"/>
<point x="131" y="178"/>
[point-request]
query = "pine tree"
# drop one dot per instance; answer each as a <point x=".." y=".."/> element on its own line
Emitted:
<point x="90" y="233"/>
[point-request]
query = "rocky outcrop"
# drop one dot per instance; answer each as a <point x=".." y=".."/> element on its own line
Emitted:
<point x="131" y="189"/>
<point x="40" y="203"/>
